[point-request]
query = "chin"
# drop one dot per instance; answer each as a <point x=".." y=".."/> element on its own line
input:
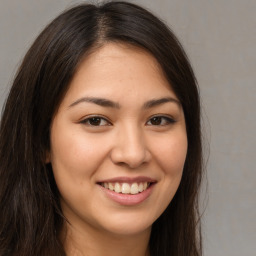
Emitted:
<point x="128" y="224"/>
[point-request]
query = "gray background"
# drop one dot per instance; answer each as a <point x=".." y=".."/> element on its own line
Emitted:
<point x="220" y="38"/>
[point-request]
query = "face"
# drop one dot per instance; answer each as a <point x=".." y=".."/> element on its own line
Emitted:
<point x="118" y="142"/>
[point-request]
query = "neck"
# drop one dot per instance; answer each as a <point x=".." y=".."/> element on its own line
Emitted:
<point x="91" y="242"/>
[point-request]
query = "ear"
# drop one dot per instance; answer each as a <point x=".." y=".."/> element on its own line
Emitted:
<point x="47" y="157"/>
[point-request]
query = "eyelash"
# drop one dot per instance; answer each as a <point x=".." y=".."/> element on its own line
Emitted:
<point x="87" y="120"/>
<point x="97" y="119"/>
<point x="168" y="120"/>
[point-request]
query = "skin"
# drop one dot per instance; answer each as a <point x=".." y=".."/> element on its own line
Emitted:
<point x="126" y="142"/>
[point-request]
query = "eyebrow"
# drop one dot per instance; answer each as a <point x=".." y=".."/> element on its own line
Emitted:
<point x="157" y="102"/>
<point x="111" y="104"/>
<point x="98" y="101"/>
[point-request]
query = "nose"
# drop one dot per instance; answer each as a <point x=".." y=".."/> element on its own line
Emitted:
<point x="130" y="148"/>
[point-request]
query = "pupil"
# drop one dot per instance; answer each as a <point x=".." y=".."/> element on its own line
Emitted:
<point x="95" y="121"/>
<point x="156" y="121"/>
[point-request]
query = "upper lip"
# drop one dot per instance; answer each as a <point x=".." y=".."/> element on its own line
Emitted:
<point x="128" y="179"/>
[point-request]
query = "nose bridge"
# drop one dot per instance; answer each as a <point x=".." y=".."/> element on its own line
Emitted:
<point x="130" y="147"/>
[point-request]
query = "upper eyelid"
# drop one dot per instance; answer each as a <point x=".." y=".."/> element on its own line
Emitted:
<point x="163" y="116"/>
<point x="169" y="119"/>
<point x="84" y="119"/>
<point x="92" y="116"/>
<point x="110" y="122"/>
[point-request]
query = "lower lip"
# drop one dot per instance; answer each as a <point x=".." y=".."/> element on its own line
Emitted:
<point x="128" y="199"/>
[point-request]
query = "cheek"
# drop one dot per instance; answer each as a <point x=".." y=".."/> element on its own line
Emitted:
<point x="171" y="154"/>
<point x="75" y="152"/>
<point x="75" y="158"/>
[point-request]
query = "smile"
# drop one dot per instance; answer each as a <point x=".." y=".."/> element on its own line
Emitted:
<point x="128" y="191"/>
<point x="126" y="188"/>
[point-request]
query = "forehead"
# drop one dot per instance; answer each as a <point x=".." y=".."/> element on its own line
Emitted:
<point x="120" y="68"/>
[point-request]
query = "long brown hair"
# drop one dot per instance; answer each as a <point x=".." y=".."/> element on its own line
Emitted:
<point x="30" y="212"/>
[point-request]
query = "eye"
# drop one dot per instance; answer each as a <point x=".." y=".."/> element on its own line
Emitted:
<point x="160" y="121"/>
<point x="95" y="121"/>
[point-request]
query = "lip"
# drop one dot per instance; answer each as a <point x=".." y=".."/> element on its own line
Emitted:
<point x="128" y="199"/>
<point x="128" y="180"/>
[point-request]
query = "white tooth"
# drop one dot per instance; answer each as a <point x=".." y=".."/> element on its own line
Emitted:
<point x="134" y="188"/>
<point x="140" y="187"/>
<point x="126" y="188"/>
<point x="117" y="188"/>
<point x="110" y="186"/>
<point x="145" y="185"/>
<point x="105" y="185"/>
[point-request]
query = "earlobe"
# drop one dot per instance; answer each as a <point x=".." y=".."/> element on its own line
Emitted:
<point x="47" y="157"/>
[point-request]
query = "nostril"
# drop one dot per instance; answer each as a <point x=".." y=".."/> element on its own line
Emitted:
<point x="130" y="150"/>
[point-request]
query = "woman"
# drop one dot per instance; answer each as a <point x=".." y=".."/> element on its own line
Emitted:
<point x="100" y="140"/>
